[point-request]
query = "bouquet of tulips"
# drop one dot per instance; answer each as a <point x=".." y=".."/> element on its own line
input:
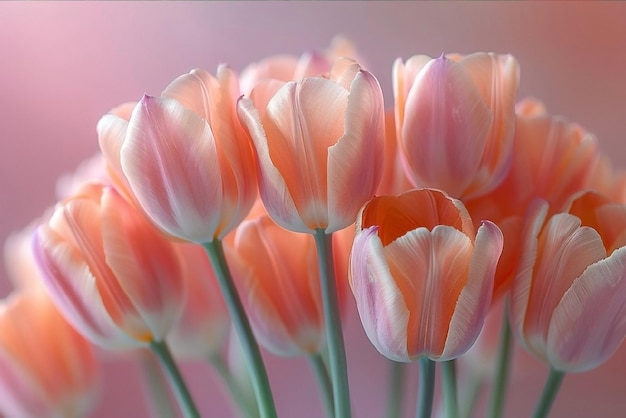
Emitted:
<point x="263" y="200"/>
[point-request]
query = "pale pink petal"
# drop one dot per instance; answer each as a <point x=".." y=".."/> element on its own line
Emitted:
<point x="111" y="133"/>
<point x="445" y="128"/>
<point x="75" y="293"/>
<point x="403" y="77"/>
<point x="475" y="298"/>
<point x="565" y="250"/>
<point x="272" y="187"/>
<point x="430" y="270"/>
<point x="194" y="90"/>
<point x="380" y="303"/>
<point x="522" y="282"/>
<point x="354" y="163"/>
<point x="166" y="157"/>
<point x="590" y="321"/>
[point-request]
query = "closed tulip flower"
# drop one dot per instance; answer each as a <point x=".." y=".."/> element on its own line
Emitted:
<point x="109" y="271"/>
<point x="455" y="119"/>
<point x="421" y="275"/>
<point x="188" y="162"/>
<point x="320" y="144"/>
<point x="47" y="370"/>
<point x="568" y="300"/>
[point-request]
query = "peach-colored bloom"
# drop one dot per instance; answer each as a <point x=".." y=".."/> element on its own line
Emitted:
<point x="320" y="144"/>
<point x="109" y="271"/>
<point x="204" y="323"/>
<point x="455" y="118"/>
<point x="394" y="179"/>
<point x="552" y="160"/>
<point x="568" y="300"/>
<point x="293" y="68"/>
<point x="46" y="368"/>
<point x="187" y="160"/>
<point x="421" y="275"/>
<point x="276" y="271"/>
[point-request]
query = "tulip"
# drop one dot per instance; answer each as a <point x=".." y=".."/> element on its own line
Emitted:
<point x="202" y="330"/>
<point x="111" y="273"/>
<point x="46" y="368"/>
<point x="455" y="119"/>
<point x="293" y="68"/>
<point x="320" y="146"/>
<point x="277" y="272"/>
<point x="187" y="160"/>
<point x="421" y="275"/>
<point x="568" y="300"/>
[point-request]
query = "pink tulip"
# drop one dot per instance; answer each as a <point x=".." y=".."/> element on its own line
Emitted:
<point x="46" y="368"/>
<point x="568" y="300"/>
<point x="293" y="68"/>
<point x="188" y="162"/>
<point x="455" y="119"/>
<point x="421" y="276"/>
<point x="320" y="144"/>
<point x="202" y="330"/>
<point x="109" y="271"/>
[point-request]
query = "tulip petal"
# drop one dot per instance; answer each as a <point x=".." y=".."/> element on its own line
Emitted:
<point x="445" y="127"/>
<point x="565" y="250"/>
<point x="303" y="120"/>
<point x="144" y="264"/>
<point x="590" y="321"/>
<point x="272" y="187"/>
<point x="475" y="298"/>
<point x="380" y="303"/>
<point x="430" y="271"/>
<point x="167" y="157"/>
<point x="354" y="163"/>
<point x="78" y="298"/>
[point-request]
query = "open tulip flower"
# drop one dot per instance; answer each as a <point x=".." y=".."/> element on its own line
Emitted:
<point x="320" y="144"/>
<point x="568" y="301"/>
<point x="109" y="271"/>
<point x="455" y="119"/>
<point x="47" y="370"/>
<point x="421" y="275"/>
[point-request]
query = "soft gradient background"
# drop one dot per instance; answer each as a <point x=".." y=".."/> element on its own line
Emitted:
<point x="64" y="65"/>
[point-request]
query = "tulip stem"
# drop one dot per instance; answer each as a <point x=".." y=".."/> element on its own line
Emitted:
<point x="179" y="387"/>
<point x="496" y="404"/>
<point x="450" y="399"/>
<point x="332" y="322"/>
<point x="246" y="406"/>
<point x="156" y="389"/>
<point x="549" y="393"/>
<point x="249" y="345"/>
<point x="426" y="391"/>
<point x="323" y="381"/>
<point x="395" y="394"/>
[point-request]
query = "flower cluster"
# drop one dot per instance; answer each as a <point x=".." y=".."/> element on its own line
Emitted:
<point x="255" y="202"/>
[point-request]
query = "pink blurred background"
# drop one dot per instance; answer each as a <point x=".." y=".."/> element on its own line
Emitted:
<point x="63" y="65"/>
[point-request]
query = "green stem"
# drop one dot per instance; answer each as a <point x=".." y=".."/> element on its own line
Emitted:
<point x="323" y="381"/>
<point x="246" y="406"/>
<point x="450" y="399"/>
<point x="496" y="404"/>
<point x="549" y="393"/>
<point x="395" y="395"/>
<point x="332" y="322"/>
<point x="470" y="393"/>
<point x="426" y="390"/>
<point x="176" y="379"/>
<point x="250" y="348"/>
<point x="156" y="388"/>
